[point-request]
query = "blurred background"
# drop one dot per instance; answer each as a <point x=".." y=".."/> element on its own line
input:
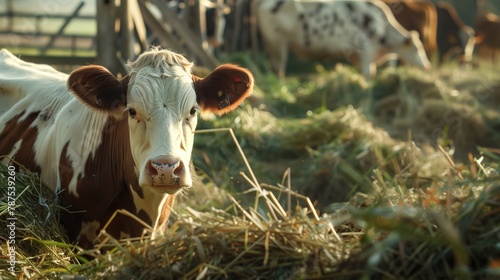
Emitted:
<point x="66" y="32"/>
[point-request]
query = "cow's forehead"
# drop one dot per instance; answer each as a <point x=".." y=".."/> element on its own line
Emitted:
<point x="152" y="90"/>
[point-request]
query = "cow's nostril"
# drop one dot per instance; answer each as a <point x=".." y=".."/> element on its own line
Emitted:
<point x="179" y="170"/>
<point x="152" y="170"/>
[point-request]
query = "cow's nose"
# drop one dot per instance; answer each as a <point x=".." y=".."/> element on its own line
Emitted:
<point x="165" y="170"/>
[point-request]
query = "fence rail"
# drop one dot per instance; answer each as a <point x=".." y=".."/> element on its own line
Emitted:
<point x="121" y="33"/>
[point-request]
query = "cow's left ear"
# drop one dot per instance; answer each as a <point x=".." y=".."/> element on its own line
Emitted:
<point x="95" y="86"/>
<point x="223" y="89"/>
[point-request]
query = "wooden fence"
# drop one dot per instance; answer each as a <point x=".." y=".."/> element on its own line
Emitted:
<point x="121" y="34"/>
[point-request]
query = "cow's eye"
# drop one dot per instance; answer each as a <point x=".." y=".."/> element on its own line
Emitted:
<point x="193" y="111"/>
<point x="132" y="112"/>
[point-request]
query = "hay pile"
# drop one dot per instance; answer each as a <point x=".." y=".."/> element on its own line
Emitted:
<point x="458" y="109"/>
<point x="450" y="230"/>
<point x="40" y="242"/>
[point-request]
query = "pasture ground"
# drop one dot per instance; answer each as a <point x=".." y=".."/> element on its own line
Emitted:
<point x="394" y="179"/>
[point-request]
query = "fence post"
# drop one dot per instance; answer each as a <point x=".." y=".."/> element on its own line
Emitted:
<point x="106" y="38"/>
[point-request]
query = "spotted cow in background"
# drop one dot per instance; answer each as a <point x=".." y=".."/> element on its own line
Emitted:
<point x="365" y="28"/>
<point x="105" y="144"/>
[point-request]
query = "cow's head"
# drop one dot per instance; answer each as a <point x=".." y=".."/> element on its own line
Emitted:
<point x="467" y="41"/>
<point x="162" y="100"/>
<point x="412" y="50"/>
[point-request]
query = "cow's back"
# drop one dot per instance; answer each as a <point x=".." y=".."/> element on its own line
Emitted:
<point x="19" y="78"/>
<point x="31" y="96"/>
<point x="334" y="27"/>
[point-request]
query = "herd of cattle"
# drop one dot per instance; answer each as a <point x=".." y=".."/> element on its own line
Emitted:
<point x="367" y="31"/>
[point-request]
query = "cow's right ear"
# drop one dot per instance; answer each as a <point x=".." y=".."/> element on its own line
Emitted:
<point x="95" y="86"/>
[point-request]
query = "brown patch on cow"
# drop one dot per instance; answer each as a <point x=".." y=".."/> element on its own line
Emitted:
<point x="105" y="184"/>
<point x="113" y="156"/>
<point x="16" y="130"/>
<point x="230" y="82"/>
<point x="419" y="16"/>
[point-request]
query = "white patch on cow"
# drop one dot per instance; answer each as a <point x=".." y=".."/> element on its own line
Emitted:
<point x="45" y="91"/>
<point x="82" y="128"/>
<point x="89" y="230"/>
<point x="319" y="28"/>
<point x="34" y="88"/>
<point x="152" y="203"/>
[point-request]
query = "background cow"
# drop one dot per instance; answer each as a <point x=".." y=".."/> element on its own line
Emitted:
<point x="107" y="144"/>
<point x="365" y="28"/>
<point x="438" y="26"/>
<point x="453" y="34"/>
<point x="488" y="35"/>
<point x="419" y="16"/>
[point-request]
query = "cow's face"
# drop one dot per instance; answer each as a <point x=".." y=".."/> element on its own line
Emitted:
<point x="162" y="100"/>
<point x="162" y="116"/>
<point x="467" y="40"/>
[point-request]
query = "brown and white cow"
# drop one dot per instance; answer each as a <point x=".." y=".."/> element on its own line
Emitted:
<point x="314" y="28"/>
<point x="104" y="143"/>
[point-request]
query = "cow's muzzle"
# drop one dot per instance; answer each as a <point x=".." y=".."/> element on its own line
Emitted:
<point x="165" y="170"/>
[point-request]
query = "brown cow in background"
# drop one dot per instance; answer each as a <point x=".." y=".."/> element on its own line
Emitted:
<point x="438" y="25"/>
<point x="488" y="35"/>
<point x="453" y="34"/>
<point x="419" y="16"/>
